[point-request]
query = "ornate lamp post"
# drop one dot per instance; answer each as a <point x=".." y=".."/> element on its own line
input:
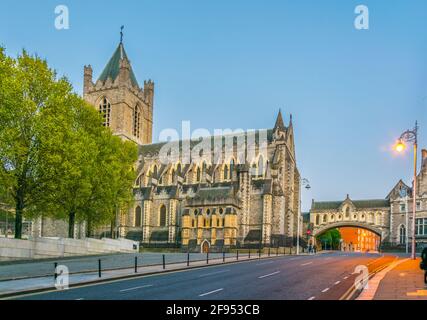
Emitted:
<point x="407" y="137"/>
<point x="304" y="183"/>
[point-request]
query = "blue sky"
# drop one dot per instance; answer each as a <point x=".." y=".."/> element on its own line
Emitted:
<point x="233" y="64"/>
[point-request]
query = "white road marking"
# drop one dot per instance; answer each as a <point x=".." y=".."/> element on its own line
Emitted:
<point x="324" y="290"/>
<point x="345" y="278"/>
<point x="80" y="299"/>
<point x="269" y="275"/>
<point x="136" y="288"/>
<point x="212" y="273"/>
<point x="210" y="292"/>
<point x="306" y="264"/>
<point x="261" y="264"/>
<point x="312" y="298"/>
<point x="338" y="282"/>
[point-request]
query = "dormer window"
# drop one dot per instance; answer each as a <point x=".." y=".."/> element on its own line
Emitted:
<point x="105" y="111"/>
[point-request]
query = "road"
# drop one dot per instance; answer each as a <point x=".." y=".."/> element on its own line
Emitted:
<point x="324" y="276"/>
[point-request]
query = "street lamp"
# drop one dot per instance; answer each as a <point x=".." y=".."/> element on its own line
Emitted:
<point x="411" y="136"/>
<point x="304" y="182"/>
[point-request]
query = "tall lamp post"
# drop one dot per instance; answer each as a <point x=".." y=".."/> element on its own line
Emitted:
<point x="407" y="137"/>
<point x="303" y="183"/>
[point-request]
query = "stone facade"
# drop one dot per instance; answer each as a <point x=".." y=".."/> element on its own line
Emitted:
<point x="203" y="204"/>
<point x="390" y="218"/>
<point x="401" y="205"/>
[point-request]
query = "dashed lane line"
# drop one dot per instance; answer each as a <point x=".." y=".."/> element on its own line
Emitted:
<point x="311" y="298"/>
<point x="306" y="264"/>
<point x="212" y="273"/>
<point x="264" y="263"/>
<point x="210" y="292"/>
<point x="268" y="275"/>
<point x="325" y="290"/>
<point x="338" y="282"/>
<point x="136" y="288"/>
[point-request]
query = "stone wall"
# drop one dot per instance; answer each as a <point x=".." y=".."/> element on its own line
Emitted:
<point x="41" y="248"/>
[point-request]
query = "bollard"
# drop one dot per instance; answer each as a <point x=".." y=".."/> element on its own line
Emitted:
<point x="136" y="264"/>
<point x="207" y="257"/>
<point x="259" y="253"/>
<point x="249" y="253"/>
<point x="237" y="255"/>
<point x="99" y="268"/>
<point x="56" y="265"/>
<point x="223" y="257"/>
<point x="277" y="251"/>
<point x="188" y="259"/>
<point x="268" y="251"/>
<point x="164" y="262"/>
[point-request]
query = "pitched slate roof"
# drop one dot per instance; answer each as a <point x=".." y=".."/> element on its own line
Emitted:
<point x="360" y="204"/>
<point x="154" y="149"/>
<point x="112" y="68"/>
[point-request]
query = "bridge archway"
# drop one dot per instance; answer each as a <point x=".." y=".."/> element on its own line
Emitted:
<point x="349" y="224"/>
<point x="352" y="236"/>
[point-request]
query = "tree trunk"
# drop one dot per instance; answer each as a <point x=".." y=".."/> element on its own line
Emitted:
<point x="112" y="229"/>
<point x="19" y="206"/>
<point x="89" y="229"/>
<point x="71" y="224"/>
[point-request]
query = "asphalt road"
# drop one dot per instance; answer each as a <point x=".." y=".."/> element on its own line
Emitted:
<point x="324" y="276"/>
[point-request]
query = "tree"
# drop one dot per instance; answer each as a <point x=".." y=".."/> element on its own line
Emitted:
<point x="28" y="91"/>
<point x="331" y="237"/>
<point x="56" y="158"/>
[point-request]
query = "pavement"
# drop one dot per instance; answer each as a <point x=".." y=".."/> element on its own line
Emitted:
<point x="306" y="277"/>
<point x="404" y="282"/>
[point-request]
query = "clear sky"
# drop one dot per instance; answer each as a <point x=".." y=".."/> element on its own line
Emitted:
<point x="233" y="64"/>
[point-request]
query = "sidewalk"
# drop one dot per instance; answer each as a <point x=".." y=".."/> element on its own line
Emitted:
<point x="404" y="282"/>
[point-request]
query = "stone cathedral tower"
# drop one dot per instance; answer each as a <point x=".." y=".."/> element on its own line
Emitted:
<point x="126" y="107"/>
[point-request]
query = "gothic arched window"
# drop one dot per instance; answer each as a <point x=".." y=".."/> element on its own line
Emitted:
<point x="162" y="217"/>
<point x="402" y="234"/>
<point x="226" y="173"/>
<point x="231" y="169"/>
<point x="136" y="121"/>
<point x="138" y="216"/>
<point x="105" y="111"/>
<point x="198" y="175"/>
<point x="173" y="176"/>
<point x="260" y="166"/>
<point x="347" y="212"/>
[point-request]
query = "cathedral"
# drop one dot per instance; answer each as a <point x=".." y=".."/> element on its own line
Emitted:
<point x="197" y="205"/>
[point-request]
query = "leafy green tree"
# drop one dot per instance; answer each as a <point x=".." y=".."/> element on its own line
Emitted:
<point x="56" y="158"/>
<point x="28" y="91"/>
<point x="331" y="238"/>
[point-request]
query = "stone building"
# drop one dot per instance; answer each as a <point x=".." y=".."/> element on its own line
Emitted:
<point x="401" y="204"/>
<point x="390" y="218"/>
<point x="200" y="204"/>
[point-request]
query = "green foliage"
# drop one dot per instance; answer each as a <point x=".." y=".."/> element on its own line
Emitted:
<point x="331" y="238"/>
<point x="56" y="158"/>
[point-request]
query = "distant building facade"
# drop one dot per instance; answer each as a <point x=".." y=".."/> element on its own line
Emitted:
<point x="389" y="218"/>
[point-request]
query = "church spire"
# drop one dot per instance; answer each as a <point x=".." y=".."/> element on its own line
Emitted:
<point x="279" y="122"/>
<point x="118" y="59"/>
